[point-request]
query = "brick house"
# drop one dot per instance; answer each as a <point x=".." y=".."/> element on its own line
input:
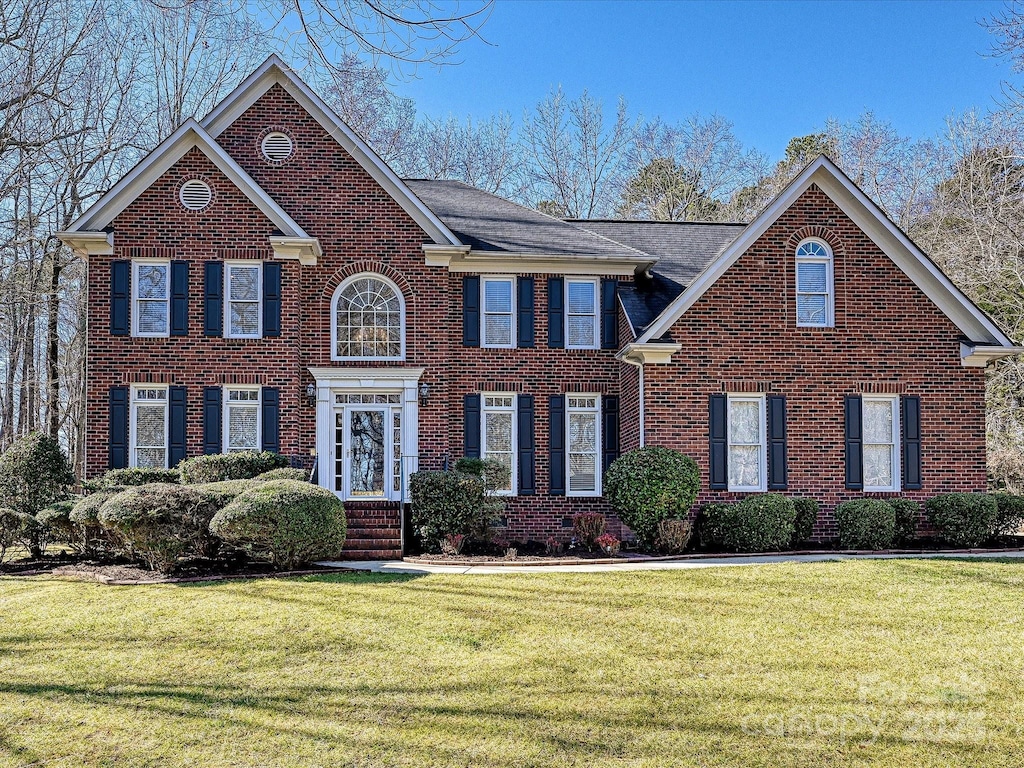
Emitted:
<point x="262" y="280"/>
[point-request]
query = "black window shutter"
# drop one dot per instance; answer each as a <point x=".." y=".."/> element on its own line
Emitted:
<point x="525" y="319"/>
<point x="120" y="298"/>
<point x="527" y="448"/>
<point x="270" y="402"/>
<point x="556" y="444"/>
<point x="213" y="303"/>
<point x="471" y="426"/>
<point x="271" y="298"/>
<point x="610" y="430"/>
<point x="556" y="313"/>
<point x="471" y="311"/>
<point x="177" y="442"/>
<point x="118" y="423"/>
<point x="212" y="420"/>
<point x="911" y="442"/>
<point x="777" y="480"/>
<point x="718" y="465"/>
<point x="179" y="299"/>
<point x="854" y="444"/>
<point x="609" y="317"/>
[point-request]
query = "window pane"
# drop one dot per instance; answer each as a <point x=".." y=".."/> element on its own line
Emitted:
<point x="150" y="457"/>
<point x="744" y="466"/>
<point x="581" y="331"/>
<point x="812" y="248"/>
<point x="582" y="472"/>
<point x="369" y="320"/>
<point x="245" y="318"/>
<point x="877" y="421"/>
<point x="812" y="278"/>
<point x="810" y="309"/>
<point x="582" y="432"/>
<point x="242" y="428"/>
<point x="498" y="432"/>
<point x="245" y="283"/>
<point x="498" y="296"/>
<point x="152" y="281"/>
<point x="152" y="317"/>
<point x="878" y="466"/>
<point x="505" y="459"/>
<point x="497" y="329"/>
<point x="744" y="422"/>
<point x="149" y="425"/>
<point x="581" y="298"/>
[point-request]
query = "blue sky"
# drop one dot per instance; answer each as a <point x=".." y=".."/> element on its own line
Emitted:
<point x="775" y="69"/>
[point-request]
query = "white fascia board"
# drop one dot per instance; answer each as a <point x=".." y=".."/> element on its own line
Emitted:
<point x="87" y="244"/>
<point x="275" y="71"/>
<point x="648" y="353"/>
<point x="876" y="225"/>
<point x="464" y="259"/>
<point x="983" y="355"/>
<point x="167" y="153"/>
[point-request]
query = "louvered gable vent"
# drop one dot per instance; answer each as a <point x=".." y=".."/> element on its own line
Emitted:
<point x="276" y="147"/>
<point x="195" y="194"/>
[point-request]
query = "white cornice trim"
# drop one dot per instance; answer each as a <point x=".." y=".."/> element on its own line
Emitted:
<point x="870" y="218"/>
<point x="88" y="243"/>
<point x="306" y="250"/>
<point x="168" y="152"/>
<point x="983" y="355"/>
<point x="464" y="259"/>
<point x="366" y="378"/>
<point x="649" y="352"/>
<point x="275" y="71"/>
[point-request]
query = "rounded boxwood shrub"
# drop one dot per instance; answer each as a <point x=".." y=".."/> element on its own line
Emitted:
<point x="761" y="522"/>
<point x="963" y="519"/>
<point x="865" y="524"/>
<point x="132" y="476"/>
<point x="806" y="516"/>
<point x="161" y="522"/>
<point x="649" y="485"/>
<point x="907" y="512"/>
<point x="289" y="521"/>
<point x="224" y="492"/>
<point x="34" y="473"/>
<point x="1009" y="513"/>
<point x="84" y="516"/>
<point x="242" y="465"/>
<point x="283" y="473"/>
<point x="447" y="504"/>
<point x="56" y="520"/>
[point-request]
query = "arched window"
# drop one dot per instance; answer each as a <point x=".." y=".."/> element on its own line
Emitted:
<point x="814" y="292"/>
<point x="369" y="319"/>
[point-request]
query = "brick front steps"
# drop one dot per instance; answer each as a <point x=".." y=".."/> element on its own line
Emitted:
<point x="374" y="533"/>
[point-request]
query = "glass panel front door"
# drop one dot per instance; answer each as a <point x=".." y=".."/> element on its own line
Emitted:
<point x="367" y="453"/>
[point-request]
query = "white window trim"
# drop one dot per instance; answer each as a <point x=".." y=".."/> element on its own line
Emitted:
<point x="763" y="444"/>
<point x="596" y="316"/>
<point x="225" y="446"/>
<point x="132" y="442"/>
<point x="513" y="337"/>
<point x="514" y="410"/>
<point x="897" y="458"/>
<point x="334" y="318"/>
<point x="599" y="445"/>
<point x="136" y="299"/>
<point x="830" y="297"/>
<point x="228" y="265"/>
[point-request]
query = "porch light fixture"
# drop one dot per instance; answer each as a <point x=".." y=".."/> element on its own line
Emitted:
<point x="424" y="393"/>
<point x="310" y="393"/>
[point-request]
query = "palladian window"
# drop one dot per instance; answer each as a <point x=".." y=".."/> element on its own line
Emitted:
<point x="369" y="320"/>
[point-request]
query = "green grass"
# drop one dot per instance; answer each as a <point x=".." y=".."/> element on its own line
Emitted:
<point x="909" y="662"/>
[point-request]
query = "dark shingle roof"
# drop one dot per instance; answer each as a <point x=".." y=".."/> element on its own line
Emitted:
<point x="491" y="223"/>
<point x="684" y="250"/>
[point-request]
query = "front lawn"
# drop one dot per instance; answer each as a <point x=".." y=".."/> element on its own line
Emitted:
<point x="908" y="662"/>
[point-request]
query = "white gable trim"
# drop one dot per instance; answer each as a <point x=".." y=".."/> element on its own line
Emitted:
<point x="869" y="217"/>
<point x="275" y="71"/>
<point x="167" y="153"/>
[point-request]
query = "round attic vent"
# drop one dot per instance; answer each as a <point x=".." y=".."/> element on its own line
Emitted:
<point x="276" y="146"/>
<point x="195" y="194"/>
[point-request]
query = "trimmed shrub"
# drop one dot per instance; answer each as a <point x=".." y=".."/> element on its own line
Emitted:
<point x="761" y="522"/>
<point x="11" y="524"/>
<point x="161" y="522"/>
<point x="649" y="485"/>
<point x="806" y="516"/>
<point x="133" y="476"/>
<point x="1009" y="513"/>
<point x="290" y="521"/>
<point x="223" y="493"/>
<point x="34" y="473"/>
<point x="963" y="519"/>
<point x="587" y="527"/>
<point x="865" y="524"/>
<point x="449" y="503"/>
<point x="56" y="520"/>
<point x="283" y="473"/>
<point x="242" y="465"/>
<point x="674" y="536"/>
<point x="84" y="516"/>
<point x="907" y="512"/>
<point x="494" y="474"/>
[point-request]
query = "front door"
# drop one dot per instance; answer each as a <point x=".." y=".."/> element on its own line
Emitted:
<point x="361" y="453"/>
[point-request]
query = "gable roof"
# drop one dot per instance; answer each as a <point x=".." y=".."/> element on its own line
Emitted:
<point x="962" y="312"/>
<point x="488" y="223"/>
<point x="155" y="164"/>
<point x="274" y="71"/>
<point x="684" y="249"/>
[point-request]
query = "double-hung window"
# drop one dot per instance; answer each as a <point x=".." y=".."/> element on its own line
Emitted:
<point x="746" y="443"/>
<point x="581" y="314"/>
<point x="498" y="430"/>
<point x="241" y="419"/>
<point x="814" y="279"/>
<point x="149" y="427"/>
<point x="499" y="311"/>
<point x="583" y="414"/>
<point x="151" y="289"/>
<point x="881" y="418"/>
<point x="243" y="308"/>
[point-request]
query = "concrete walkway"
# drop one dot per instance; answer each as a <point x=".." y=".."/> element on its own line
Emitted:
<point x="400" y="566"/>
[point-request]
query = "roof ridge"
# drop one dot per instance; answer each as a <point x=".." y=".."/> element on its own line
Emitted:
<point x="661" y="221"/>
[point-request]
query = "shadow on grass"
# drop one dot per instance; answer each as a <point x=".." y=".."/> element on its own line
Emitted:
<point x="340" y="577"/>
